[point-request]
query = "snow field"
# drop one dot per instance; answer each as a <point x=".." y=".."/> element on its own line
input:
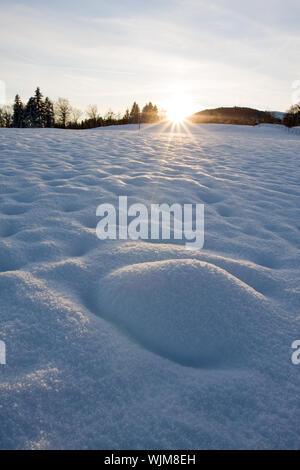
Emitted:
<point x="148" y="345"/>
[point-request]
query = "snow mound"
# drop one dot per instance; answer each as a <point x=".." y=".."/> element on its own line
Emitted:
<point x="189" y="311"/>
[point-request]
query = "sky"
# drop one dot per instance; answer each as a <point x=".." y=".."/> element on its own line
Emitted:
<point x="110" y="53"/>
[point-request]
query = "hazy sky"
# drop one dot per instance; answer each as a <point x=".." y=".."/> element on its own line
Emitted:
<point x="220" y="53"/>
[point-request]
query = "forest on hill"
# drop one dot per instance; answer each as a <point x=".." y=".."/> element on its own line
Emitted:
<point x="235" y="115"/>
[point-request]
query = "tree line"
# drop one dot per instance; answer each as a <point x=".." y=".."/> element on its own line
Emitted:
<point x="40" y="112"/>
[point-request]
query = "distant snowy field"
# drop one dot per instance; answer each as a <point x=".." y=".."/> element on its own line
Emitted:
<point x="128" y="345"/>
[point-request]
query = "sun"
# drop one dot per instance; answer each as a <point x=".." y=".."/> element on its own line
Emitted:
<point x="176" y="115"/>
<point x="178" y="107"/>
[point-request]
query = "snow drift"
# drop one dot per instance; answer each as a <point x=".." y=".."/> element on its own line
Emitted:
<point x="187" y="310"/>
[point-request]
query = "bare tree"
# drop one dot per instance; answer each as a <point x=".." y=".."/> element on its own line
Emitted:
<point x="110" y="115"/>
<point x="162" y="115"/>
<point x="292" y="116"/>
<point x="6" y="116"/>
<point x="92" y="113"/>
<point x="62" y="111"/>
<point x="76" y="114"/>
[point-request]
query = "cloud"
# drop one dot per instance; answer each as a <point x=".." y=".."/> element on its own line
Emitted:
<point x="115" y="54"/>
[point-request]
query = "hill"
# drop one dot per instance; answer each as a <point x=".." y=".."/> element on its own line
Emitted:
<point x="235" y="115"/>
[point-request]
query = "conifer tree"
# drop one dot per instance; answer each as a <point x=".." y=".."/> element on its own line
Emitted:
<point x="150" y="113"/>
<point x="126" y="117"/>
<point x="38" y="109"/>
<point x="18" y="113"/>
<point x="135" y="113"/>
<point x="30" y="113"/>
<point x="48" y="113"/>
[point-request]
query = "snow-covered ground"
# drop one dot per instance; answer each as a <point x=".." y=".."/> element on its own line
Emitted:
<point x="128" y="345"/>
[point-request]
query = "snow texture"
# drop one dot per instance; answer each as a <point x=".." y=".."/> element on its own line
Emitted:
<point x="132" y="345"/>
